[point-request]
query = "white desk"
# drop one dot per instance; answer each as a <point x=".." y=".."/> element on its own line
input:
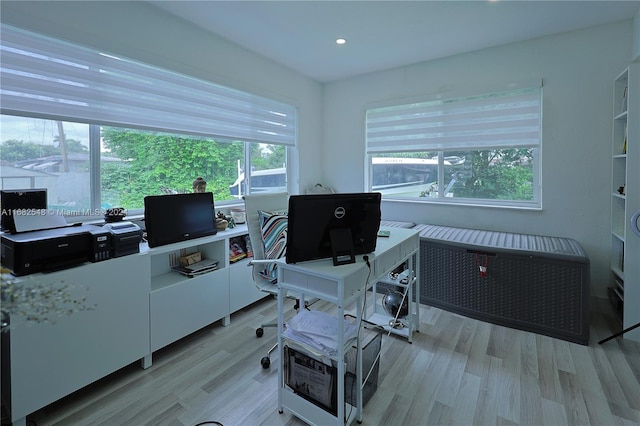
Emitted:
<point x="342" y="286"/>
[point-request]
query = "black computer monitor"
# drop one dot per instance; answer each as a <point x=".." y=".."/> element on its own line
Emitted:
<point x="178" y="217"/>
<point x="338" y="226"/>
<point x="20" y="199"/>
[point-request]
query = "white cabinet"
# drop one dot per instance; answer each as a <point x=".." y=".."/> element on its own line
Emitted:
<point x="49" y="361"/>
<point x="180" y="305"/>
<point x="141" y="305"/>
<point x="624" y="289"/>
<point x="242" y="290"/>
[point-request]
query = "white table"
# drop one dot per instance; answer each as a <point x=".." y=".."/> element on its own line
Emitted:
<point x="342" y="285"/>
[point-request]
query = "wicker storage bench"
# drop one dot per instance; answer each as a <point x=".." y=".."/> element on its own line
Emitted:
<point x="530" y="282"/>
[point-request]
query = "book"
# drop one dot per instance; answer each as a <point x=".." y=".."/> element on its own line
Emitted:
<point x="198" y="268"/>
<point x="624" y="143"/>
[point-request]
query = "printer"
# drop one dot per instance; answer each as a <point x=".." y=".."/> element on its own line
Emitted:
<point x="58" y="248"/>
<point x="125" y="238"/>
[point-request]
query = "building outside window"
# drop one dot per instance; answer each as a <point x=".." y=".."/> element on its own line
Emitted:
<point x="479" y="149"/>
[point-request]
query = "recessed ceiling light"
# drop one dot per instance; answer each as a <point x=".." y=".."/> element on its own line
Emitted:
<point x="341" y="41"/>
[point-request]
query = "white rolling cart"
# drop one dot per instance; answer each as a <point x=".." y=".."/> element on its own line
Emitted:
<point x="341" y="285"/>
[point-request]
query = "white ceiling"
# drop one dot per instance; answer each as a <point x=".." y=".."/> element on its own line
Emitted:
<point x="386" y="34"/>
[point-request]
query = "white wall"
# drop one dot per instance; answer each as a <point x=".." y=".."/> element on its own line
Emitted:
<point x="140" y="31"/>
<point x="577" y="68"/>
<point x="635" y="54"/>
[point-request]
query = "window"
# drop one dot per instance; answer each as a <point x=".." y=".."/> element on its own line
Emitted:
<point x="102" y="131"/>
<point x="479" y="149"/>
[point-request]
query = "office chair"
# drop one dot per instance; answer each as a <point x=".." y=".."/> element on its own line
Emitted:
<point x="262" y="263"/>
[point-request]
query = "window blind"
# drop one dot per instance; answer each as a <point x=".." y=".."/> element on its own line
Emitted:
<point x="54" y="79"/>
<point x="509" y="118"/>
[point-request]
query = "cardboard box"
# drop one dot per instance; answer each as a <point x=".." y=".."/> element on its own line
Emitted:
<point x="190" y="259"/>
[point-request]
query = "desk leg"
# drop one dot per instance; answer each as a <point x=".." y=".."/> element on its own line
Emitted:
<point x="358" y="385"/>
<point x="280" y="349"/>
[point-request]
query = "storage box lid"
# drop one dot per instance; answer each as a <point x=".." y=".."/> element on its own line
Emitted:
<point x="505" y="242"/>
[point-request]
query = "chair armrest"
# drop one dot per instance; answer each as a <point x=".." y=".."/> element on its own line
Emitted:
<point x="262" y="261"/>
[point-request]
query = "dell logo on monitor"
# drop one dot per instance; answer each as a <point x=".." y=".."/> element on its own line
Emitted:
<point x="339" y="212"/>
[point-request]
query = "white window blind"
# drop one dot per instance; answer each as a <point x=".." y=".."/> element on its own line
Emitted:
<point x="53" y="79"/>
<point x="509" y="118"/>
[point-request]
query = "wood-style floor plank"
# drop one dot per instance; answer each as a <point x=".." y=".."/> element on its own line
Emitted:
<point x="457" y="371"/>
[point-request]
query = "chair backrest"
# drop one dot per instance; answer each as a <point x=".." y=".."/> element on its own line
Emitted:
<point x="269" y="202"/>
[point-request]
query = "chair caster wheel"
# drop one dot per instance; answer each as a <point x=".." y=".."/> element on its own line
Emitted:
<point x="259" y="332"/>
<point x="266" y="362"/>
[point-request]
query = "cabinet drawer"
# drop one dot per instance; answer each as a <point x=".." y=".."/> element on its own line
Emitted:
<point x="185" y="307"/>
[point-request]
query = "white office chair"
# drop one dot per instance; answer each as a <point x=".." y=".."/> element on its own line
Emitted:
<point x="267" y="202"/>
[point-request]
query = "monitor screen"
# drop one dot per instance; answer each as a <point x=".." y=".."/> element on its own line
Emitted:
<point x="20" y="199"/>
<point x="337" y="226"/>
<point x="178" y="217"/>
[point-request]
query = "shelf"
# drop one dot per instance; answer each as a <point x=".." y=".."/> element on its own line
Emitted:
<point x="171" y="278"/>
<point x="403" y="275"/>
<point x="383" y="320"/>
<point x="621" y="116"/>
<point x="620" y="196"/>
<point x="618" y="272"/>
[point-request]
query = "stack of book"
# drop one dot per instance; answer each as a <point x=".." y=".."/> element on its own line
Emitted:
<point x="198" y="268"/>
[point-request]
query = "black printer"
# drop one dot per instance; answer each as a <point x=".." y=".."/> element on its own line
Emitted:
<point x="57" y="248"/>
<point x="125" y="238"/>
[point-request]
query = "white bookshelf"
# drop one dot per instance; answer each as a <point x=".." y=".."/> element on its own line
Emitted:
<point x="624" y="286"/>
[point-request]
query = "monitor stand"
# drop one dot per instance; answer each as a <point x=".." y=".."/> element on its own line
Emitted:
<point x="342" y="246"/>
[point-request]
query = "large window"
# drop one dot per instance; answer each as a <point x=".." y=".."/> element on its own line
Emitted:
<point x="59" y="156"/>
<point x="100" y="131"/>
<point x="480" y="149"/>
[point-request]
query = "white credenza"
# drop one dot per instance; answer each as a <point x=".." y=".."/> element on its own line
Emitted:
<point x="140" y="307"/>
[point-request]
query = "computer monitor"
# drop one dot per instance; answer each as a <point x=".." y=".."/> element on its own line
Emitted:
<point x="20" y="199"/>
<point x="337" y="226"/>
<point x="178" y="217"/>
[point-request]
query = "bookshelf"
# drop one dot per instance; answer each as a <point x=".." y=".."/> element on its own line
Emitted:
<point x="624" y="286"/>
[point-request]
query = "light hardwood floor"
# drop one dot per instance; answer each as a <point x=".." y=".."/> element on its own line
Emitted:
<point x="458" y="371"/>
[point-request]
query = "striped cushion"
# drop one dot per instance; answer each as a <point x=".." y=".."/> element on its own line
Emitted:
<point x="273" y="226"/>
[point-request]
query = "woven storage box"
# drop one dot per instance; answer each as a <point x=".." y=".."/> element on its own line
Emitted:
<point x="532" y="282"/>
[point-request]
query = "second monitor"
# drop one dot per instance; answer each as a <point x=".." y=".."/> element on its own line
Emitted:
<point x="337" y="226"/>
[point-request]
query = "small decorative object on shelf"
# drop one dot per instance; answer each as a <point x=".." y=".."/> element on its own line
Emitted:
<point x="238" y="216"/>
<point x="190" y="259"/>
<point x="221" y="222"/>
